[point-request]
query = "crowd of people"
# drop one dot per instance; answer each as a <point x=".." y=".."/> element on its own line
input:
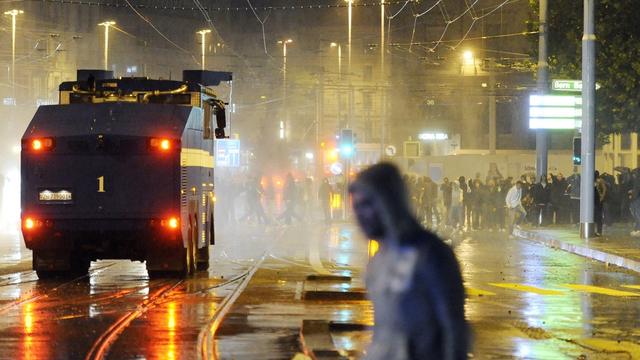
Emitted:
<point x="484" y="203"/>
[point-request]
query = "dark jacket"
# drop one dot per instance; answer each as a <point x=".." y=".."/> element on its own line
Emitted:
<point x="414" y="280"/>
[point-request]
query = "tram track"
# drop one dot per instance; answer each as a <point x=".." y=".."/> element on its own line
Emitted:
<point x="103" y="343"/>
<point x="43" y="294"/>
<point x="206" y="345"/>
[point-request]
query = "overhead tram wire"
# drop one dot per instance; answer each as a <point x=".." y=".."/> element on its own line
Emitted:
<point x="476" y="18"/>
<point x="145" y="19"/>
<point x="98" y="3"/>
<point x="205" y="14"/>
<point x="262" y="22"/>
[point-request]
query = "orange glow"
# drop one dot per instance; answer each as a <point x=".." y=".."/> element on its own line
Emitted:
<point x="332" y="154"/>
<point x="36" y="144"/>
<point x="160" y="144"/>
<point x="171" y="316"/>
<point x="42" y="144"/>
<point x="28" y="318"/>
<point x="29" y="223"/>
<point x="171" y="223"/>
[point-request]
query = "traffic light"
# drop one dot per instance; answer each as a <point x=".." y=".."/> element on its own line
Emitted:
<point x="346" y="143"/>
<point x="577" y="151"/>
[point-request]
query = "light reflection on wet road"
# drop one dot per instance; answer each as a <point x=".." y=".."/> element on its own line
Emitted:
<point x="524" y="301"/>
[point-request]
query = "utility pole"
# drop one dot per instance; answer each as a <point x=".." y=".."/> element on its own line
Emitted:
<point x="13" y="13"/>
<point x="492" y="114"/>
<point x="382" y="81"/>
<point x="543" y="70"/>
<point x="588" y="146"/>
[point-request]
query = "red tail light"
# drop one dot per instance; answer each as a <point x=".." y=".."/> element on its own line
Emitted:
<point x="171" y="223"/>
<point x="31" y="224"/>
<point x="41" y="144"/>
<point x="162" y="144"/>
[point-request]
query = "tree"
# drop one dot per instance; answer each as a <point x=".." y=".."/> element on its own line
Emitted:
<point x="617" y="57"/>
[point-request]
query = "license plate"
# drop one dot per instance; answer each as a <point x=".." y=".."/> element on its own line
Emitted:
<point x="55" y="196"/>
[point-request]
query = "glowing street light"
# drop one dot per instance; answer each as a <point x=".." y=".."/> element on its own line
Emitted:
<point x="13" y="13"/>
<point x="339" y="46"/>
<point x="203" y="33"/>
<point x="106" y="25"/>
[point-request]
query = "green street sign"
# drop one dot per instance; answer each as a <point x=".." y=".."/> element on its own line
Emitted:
<point x="568" y="85"/>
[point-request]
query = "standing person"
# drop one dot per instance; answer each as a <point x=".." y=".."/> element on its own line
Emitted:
<point x="290" y="198"/>
<point x="463" y="187"/>
<point x="573" y="190"/>
<point x="492" y="201"/>
<point x="414" y="280"/>
<point x="540" y="193"/>
<point x="324" y="197"/>
<point x="456" y="209"/>
<point x="253" y="196"/>
<point x="478" y="198"/>
<point x="559" y="199"/>
<point x="514" y="206"/>
<point x="445" y="188"/>
<point x="470" y="204"/>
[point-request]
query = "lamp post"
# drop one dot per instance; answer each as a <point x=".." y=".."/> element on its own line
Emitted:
<point x="107" y="25"/>
<point x="284" y="123"/>
<point x="203" y="34"/>
<point x="339" y="46"/>
<point x="350" y="18"/>
<point x="587" y="191"/>
<point x="284" y="60"/>
<point x="13" y="13"/>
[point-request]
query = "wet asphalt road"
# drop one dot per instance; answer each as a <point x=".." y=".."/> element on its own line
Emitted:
<point x="524" y="301"/>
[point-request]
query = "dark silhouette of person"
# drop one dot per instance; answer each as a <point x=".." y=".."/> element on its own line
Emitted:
<point x="414" y="280"/>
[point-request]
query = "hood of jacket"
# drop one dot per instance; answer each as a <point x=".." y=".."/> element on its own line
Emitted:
<point x="384" y="185"/>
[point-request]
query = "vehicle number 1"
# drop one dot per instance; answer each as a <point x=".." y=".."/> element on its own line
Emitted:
<point x="101" y="184"/>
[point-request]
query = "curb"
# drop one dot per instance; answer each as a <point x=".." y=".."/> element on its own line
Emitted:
<point x="317" y="342"/>
<point x="582" y="250"/>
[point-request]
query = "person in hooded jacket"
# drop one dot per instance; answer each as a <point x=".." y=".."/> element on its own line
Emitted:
<point x="414" y="280"/>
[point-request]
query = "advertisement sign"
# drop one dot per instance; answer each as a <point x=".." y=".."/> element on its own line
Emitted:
<point x="555" y="112"/>
<point x="227" y="153"/>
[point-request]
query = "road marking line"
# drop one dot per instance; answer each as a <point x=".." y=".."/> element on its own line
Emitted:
<point x="636" y="287"/>
<point x="478" y="292"/>
<point x="314" y="256"/>
<point x="606" y="345"/>
<point x="527" y="288"/>
<point x="599" y="290"/>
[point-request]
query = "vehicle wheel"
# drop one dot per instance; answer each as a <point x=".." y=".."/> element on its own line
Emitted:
<point x="79" y="264"/>
<point x="46" y="274"/>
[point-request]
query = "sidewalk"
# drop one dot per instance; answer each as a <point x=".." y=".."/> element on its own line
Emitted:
<point x="614" y="247"/>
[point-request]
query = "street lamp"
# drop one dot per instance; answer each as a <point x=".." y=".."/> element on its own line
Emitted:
<point x="203" y="33"/>
<point x="13" y="13"/>
<point x="339" y="46"/>
<point x="469" y="60"/>
<point x="106" y="25"/>
<point x="284" y="59"/>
